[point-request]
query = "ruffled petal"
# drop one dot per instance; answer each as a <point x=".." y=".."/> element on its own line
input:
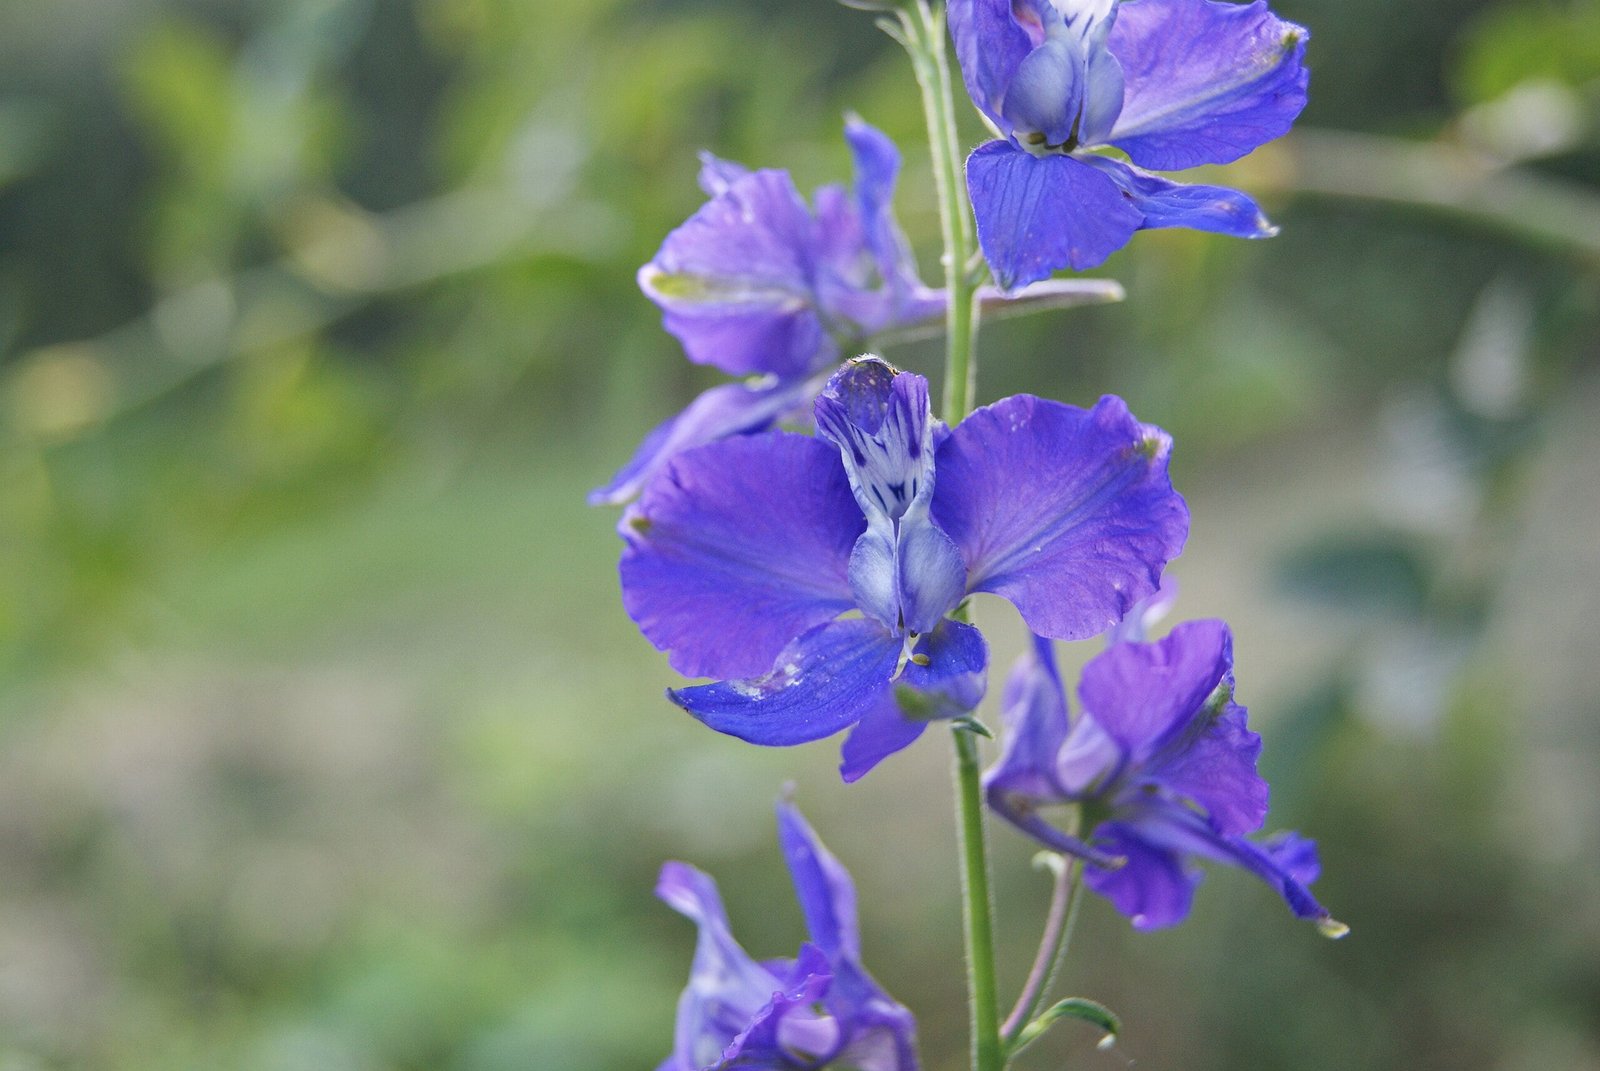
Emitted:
<point x="721" y="412"/>
<point x="951" y="684"/>
<point x="785" y="1022"/>
<point x="1148" y="696"/>
<point x="1217" y="770"/>
<point x="738" y="547"/>
<point x="1037" y="214"/>
<point x="1066" y="512"/>
<point x="1165" y="203"/>
<point x="822" y="885"/>
<point x="823" y="681"/>
<point x="1204" y="82"/>
<point x="736" y="282"/>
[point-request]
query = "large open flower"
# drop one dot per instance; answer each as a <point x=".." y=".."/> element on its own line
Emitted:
<point x="1172" y="84"/>
<point x="816" y="575"/>
<point x="818" y="1009"/>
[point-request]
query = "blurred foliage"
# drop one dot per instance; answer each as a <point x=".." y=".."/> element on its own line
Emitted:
<point x="327" y="744"/>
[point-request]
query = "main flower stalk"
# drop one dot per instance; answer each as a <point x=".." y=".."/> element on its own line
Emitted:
<point x="924" y="28"/>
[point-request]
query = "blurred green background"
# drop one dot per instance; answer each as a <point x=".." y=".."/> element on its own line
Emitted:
<point x="325" y="742"/>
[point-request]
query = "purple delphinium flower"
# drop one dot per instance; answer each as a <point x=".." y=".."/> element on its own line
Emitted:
<point x="788" y="1015"/>
<point x="759" y="284"/>
<point x="743" y="555"/>
<point x="1171" y="83"/>
<point x="1161" y="766"/>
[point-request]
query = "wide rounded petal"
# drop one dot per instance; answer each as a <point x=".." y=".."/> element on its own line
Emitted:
<point x="1066" y="512"/>
<point x="738" y="547"/>
<point x="1204" y="82"/>
<point x="1147" y="695"/>
<point x="822" y="682"/>
<point x="951" y="684"/>
<point x="735" y="281"/>
<point x="1165" y="203"/>
<point x="1037" y="214"/>
<point x="731" y="409"/>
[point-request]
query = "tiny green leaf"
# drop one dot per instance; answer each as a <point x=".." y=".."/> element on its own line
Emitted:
<point x="1088" y="1011"/>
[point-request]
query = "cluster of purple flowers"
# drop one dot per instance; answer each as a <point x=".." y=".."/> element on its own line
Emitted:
<point x="820" y="580"/>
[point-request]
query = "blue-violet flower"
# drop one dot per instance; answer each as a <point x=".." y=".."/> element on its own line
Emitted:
<point x="1161" y="766"/>
<point x="1173" y="84"/>
<point x="818" y="1009"/>
<point x="758" y="284"/>
<point x="743" y="555"/>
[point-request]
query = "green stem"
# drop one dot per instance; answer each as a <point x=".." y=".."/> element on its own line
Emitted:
<point x="925" y="42"/>
<point x="988" y="1053"/>
<point x="923" y="34"/>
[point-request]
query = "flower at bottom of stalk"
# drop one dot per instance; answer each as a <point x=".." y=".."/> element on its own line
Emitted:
<point x="790" y="1015"/>
<point x="1162" y="768"/>
<point x="742" y="558"/>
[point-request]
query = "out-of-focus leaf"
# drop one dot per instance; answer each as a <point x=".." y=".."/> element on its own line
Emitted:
<point x="1381" y="573"/>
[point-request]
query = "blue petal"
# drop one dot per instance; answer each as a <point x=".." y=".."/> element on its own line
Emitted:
<point x="736" y="548"/>
<point x="1205" y="82"/>
<point x="727" y="989"/>
<point x="735" y="281"/>
<point x="771" y="1035"/>
<point x="825" y="680"/>
<point x="1217" y="770"/>
<point x="905" y="572"/>
<point x="822" y="885"/>
<point x="717" y="174"/>
<point x="1045" y="95"/>
<point x="1165" y="203"/>
<point x="1039" y="214"/>
<point x="1066" y="512"/>
<point x="731" y="409"/>
<point x="1147" y="696"/>
<point x="1034" y="711"/>
<point x="951" y="684"/>
<point x="1154" y="887"/>
<point x="1145" y="615"/>
<point x="991" y="44"/>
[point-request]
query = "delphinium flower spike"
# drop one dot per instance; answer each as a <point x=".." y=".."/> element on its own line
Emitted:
<point x="818" y="1009"/>
<point x="743" y="555"/>
<point x="1162" y="766"/>
<point x="759" y="284"/>
<point x="1172" y="84"/>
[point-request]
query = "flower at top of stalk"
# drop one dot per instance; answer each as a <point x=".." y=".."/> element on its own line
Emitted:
<point x="743" y="555"/>
<point x="1173" y="84"/>
<point x="1161" y="766"/>
<point x="819" y="1009"/>
<point x="759" y="284"/>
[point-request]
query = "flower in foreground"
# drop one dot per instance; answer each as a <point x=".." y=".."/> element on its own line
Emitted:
<point x="743" y="555"/>
<point x="759" y="284"/>
<point x="1173" y="84"/>
<point x="1161" y="767"/>
<point x="818" y="1009"/>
